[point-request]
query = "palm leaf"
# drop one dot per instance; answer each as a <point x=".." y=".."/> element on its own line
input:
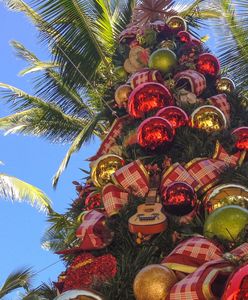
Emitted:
<point x="18" y="190"/>
<point x="44" y="291"/>
<point x="17" y="279"/>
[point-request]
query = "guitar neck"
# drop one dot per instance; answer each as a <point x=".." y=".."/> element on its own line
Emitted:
<point x="152" y="197"/>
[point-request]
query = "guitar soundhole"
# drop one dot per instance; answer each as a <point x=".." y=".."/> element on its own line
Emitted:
<point x="149" y="210"/>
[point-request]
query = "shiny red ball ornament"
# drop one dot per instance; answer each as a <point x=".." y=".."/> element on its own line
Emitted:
<point x="237" y="285"/>
<point x="184" y="36"/>
<point x="179" y="199"/>
<point x="93" y="200"/>
<point x="154" y="132"/>
<point x="147" y="97"/>
<point x="175" y="115"/>
<point x="208" y="64"/>
<point x="241" y="135"/>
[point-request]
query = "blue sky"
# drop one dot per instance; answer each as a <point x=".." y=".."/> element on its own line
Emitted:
<point x="33" y="160"/>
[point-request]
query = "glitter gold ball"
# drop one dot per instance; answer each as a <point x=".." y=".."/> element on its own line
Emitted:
<point x="122" y="94"/>
<point x="177" y="23"/>
<point x="225" y="85"/>
<point x="153" y="283"/>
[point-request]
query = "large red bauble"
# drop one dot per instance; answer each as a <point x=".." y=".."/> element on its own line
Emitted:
<point x="241" y="135"/>
<point x="208" y="64"/>
<point x="154" y="132"/>
<point x="147" y="97"/>
<point x="93" y="200"/>
<point x="237" y="285"/>
<point x="179" y="199"/>
<point x="175" y="115"/>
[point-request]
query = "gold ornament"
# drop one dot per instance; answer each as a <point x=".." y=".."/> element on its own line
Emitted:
<point x="177" y="23"/>
<point x="208" y="118"/>
<point x="79" y="295"/>
<point x="226" y="194"/>
<point x="104" y="167"/>
<point x="225" y="85"/>
<point x="139" y="57"/>
<point x="169" y="44"/>
<point x="122" y="94"/>
<point x="153" y="283"/>
<point x="129" y="68"/>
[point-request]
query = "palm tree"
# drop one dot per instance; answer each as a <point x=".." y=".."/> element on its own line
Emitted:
<point x="18" y="190"/>
<point x="71" y="103"/>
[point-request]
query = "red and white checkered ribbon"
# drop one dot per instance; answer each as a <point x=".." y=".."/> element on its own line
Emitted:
<point x="220" y="101"/>
<point x="133" y="178"/>
<point x="114" y="199"/>
<point x="196" y="80"/>
<point x="206" y="262"/>
<point x="129" y="32"/>
<point x="144" y="76"/>
<point x="86" y="231"/>
<point x="109" y="141"/>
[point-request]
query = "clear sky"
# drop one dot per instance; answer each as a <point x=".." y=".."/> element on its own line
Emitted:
<point x="31" y="159"/>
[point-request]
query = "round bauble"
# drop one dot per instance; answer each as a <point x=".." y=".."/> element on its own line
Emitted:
<point x="208" y="118"/>
<point x="104" y="167"/>
<point x="129" y="68"/>
<point x="153" y="283"/>
<point x="225" y="194"/>
<point x="208" y="64"/>
<point x="179" y="199"/>
<point x="154" y="132"/>
<point x="177" y="23"/>
<point x="237" y="285"/>
<point x="168" y="44"/>
<point x="122" y="94"/>
<point x="175" y="115"/>
<point x="163" y="60"/>
<point x="225" y="85"/>
<point x="93" y="200"/>
<point x="79" y="295"/>
<point x="147" y="97"/>
<point x="139" y="57"/>
<point x="120" y="74"/>
<point x="241" y="135"/>
<point x="226" y="223"/>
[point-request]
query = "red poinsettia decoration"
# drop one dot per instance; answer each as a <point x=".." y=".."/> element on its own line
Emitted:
<point x="148" y="11"/>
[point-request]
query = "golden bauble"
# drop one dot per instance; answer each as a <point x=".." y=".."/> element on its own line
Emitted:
<point x="122" y="95"/>
<point x="79" y="295"/>
<point x="153" y="283"/>
<point x="208" y="118"/>
<point x="129" y="67"/>
<point x="169" y="44"/>
<point x="177" y="23"/>
<point x="104" y="167"/>
<point x="225" y="194"/>
<point x="225" y="85"/>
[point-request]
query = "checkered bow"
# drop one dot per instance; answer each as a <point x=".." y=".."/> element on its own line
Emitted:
<point x="196" y="80"/>
<point x="145" y="75"/>
<point x="133" y="178"/>
<point x="113" y="198"/>
<point x="109" y="141"/>
<point x="220" y="101"/>
<point x="203" y="260"/>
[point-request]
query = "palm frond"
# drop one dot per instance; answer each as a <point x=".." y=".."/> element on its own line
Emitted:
<point x="18" y="190"/>
<point x="18" y="279"/>
<point x="43" y="292"/>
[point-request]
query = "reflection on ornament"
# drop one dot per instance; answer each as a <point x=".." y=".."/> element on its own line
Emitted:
<point x="169" y="44"/>
<point x="79" y="295"/>
<point x="226" y="223"/>
<point x="176" y="23"/>
<point x="121" y="95"/>
<point x="237" y="285"/>
<point x="175" y="115"/>
<point x="225" y="194"/>
<point x="241" y="135"/>
<point x="147" y="97"/>
<point x="208" y="64"/>
<point x="104" y="167"/>
<point x="93" y="200"/>
<point x="225" y="85"/>
<point x="154" y="132"/>
<point x="153" y="283"/>
<point x="184" y="36"/>
<point x="179" y="199"/>
<point x="208" y="118"/>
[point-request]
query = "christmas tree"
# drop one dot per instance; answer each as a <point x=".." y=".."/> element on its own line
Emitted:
<point x="163" y="212"/>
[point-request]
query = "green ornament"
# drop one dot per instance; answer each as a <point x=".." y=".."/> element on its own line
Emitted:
<point x="226" y="223"/>
<point x="120" y="74"/>
<point x="163" y="60"/>
<point x="147" y="38"/>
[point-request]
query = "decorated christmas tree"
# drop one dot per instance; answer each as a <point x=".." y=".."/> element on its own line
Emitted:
<point x="162" y="213"/>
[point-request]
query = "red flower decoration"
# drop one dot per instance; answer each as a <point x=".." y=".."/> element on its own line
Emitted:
<point x="93" y="200"/>
<point x="208" y="64"/>
<point x="175" y="115"/>
<point x="154" y="132"/>
<point x="147" y="97"/>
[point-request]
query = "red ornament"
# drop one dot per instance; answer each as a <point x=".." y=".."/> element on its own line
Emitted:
<point x="241" y="135"/>
<point x="208" y="64"/>
<point x="179" y="199"/>
<point x="93" y="200"/>
<point x="147" y="97"/>
<point x="154" y="132"/>
<point x="175" y="115"/>
<point x="237" y="285"/>
<point x="184" y="36"/>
